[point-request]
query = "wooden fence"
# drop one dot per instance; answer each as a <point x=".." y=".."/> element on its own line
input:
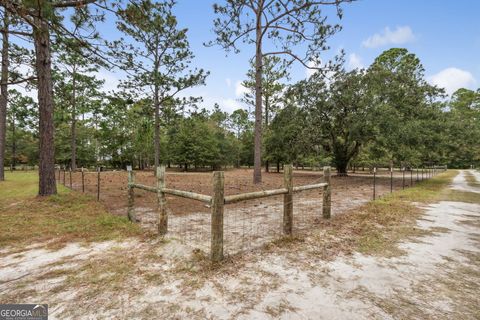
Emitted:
<point x="219" y="200"/>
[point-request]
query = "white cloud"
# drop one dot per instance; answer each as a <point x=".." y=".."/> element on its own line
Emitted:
<point x="112" y="80"/>
<point x="400" y="35"/>
<point x="230" y="105"/>
<point x="355" y="62"/>
<point x="453" y="79"/>
<point x="229" y="82"/>
<point x="311" y="64"/>
<point x="240" y="89"/>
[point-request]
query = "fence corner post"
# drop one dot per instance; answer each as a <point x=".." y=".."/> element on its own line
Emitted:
<point x="131" y="195"/>
<point x="218" y="202"/>
<point x="288" y="200"/>
<point x="327" y="194"/>
<point x="161" y="202"/>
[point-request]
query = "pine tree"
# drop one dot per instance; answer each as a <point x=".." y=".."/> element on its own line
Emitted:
<point x="158" y="63"/>
<point x="286" y="25"/>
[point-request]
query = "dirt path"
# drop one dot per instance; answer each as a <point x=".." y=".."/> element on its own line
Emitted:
<point x="459" y="182"/>
<point x="437" y="277"/>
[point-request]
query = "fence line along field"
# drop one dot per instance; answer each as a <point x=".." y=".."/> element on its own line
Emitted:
<point x="247" y="224"/>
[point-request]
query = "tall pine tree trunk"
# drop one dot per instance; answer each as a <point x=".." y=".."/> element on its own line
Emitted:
<point x="13" y="162"/>
<point x="4" y="95"/>
<point x="257" y="158"/>
<point x="266" y="127"/>
<point x="73" y="163"/>
<point x="41" y="37"/>
<point x="157" y="128"/>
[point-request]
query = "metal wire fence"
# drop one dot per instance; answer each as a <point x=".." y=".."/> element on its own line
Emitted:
<point x="246" y="224"/>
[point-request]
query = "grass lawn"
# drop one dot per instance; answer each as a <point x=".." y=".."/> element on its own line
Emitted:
<point x="68" y="216"/>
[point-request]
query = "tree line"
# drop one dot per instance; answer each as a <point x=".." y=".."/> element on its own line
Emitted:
<point x="385" y="113"/>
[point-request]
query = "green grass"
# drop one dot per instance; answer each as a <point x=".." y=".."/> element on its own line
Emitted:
<point x="58" y="219"/>
<point x="471" y="180"/>
<point x="462" y="196"/>
<point x="382" y="223"/>
<point x="20" y="185"/>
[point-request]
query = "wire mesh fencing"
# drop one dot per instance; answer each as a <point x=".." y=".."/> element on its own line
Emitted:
<point x="307" y="210"/>
<point x="251" y="224"/>
<point x="246" y="224"/>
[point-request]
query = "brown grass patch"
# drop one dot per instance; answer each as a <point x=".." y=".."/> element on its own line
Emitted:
<point x="55" y="220"/>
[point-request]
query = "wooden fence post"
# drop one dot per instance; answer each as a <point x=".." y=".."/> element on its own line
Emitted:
<point x="63" y="175"/>
<point x="131" y="195"/>
<point x="161" y="202"/>
<point x="374" y="182"/>
<point x="288" y="200"/>
<point x="327" y="194"/>
<point x="98" y="183"/>
<point x="83" y="181"/>
<point x="70" y="173"/>
<point x="218" y="201"/>
<point x="391" y="179"/>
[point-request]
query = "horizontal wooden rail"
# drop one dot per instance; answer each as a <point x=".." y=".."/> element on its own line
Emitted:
<point x="270" y="193"/>
<point x="174" y="192"/>
<point x="187" y="194"/>
<point x="309" y="187"/>
<point x="254" y="195"/>
<point x="143" y="187"/>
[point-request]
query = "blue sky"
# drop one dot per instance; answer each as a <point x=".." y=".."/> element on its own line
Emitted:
<point x="445" y="35"/>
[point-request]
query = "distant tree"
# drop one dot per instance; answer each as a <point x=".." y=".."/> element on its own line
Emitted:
<point x="241" y="126"/>
<point x="4" y="91"/>
<point x="74" y="85"/>
<point x="284" y="141"/>
<point x="76" y="94"/>
<point x="273" y="73"/>
<point x="22" y="117"/>
<point x="158" y="61"/>
<point x="240" y="122"/>
<point x="407" y="111"/>
<point x="339" y="114"/>
<point x="73" y="65"/>
<point x="12" y="57"/>
<point x="43" y="18"/>
<point x="463" y="132"/>
<point x="219" y="117"/>
<point x="287" y="24"/>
